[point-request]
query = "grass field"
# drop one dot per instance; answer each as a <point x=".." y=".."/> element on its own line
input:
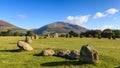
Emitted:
<point x="12" y="57"/>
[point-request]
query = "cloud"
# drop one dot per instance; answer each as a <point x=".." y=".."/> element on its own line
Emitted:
<point x="112" y="11"/>
<point x="98" y="15"/>
<point x="108" y="12"/>
<point x="22" y="16"/>
<point x="107" y="27"/>
<point x="77" y="19"/>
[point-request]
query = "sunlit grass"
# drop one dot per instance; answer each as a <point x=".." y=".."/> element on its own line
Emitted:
<point x="11" y="57"/>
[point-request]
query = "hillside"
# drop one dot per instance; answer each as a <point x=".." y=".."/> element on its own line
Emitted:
<point x="4" y="26"/>
<point x="59" y="27"/>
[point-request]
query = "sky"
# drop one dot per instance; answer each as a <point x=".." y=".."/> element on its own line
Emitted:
<point x="92" y="14"/>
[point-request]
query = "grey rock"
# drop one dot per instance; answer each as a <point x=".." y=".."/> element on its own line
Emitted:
<point x="28" y="39"/>
<point x="48" y="52"/>
<point x="75" y="54"/>
<point x="88" y="54"/>
<point x="64" y="53"/>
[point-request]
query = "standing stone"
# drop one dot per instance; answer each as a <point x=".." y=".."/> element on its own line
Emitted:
<point x="48" y="35"/>
<point x="48" y="52"/>
<point x="36" y="36"/>
<point x="64" y="53"/>
<point x="56" y="35"/>
<point x="24" y="46"/>
<point x="28" y="39"/>
<point x="75" y="54"/>
<point x="88" y="54"/>
<point x="67" y="35"/>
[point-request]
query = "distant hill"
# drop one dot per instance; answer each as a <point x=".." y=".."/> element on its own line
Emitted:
<point x="4" y="26"/>
<point x="60" y="27"/>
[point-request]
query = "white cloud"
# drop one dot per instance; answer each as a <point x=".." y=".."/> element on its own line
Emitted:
<point x="98" y="15"/>
<point x="77" y="19"/>
<point x="22" y="16"/>
<point x="108" y="12"/>
<point x="112" y="11"/>
<point x="70" y="18"/>
<point x="107" y="27"/>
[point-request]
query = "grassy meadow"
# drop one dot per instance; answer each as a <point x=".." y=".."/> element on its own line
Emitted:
<point x="12" y="57"/>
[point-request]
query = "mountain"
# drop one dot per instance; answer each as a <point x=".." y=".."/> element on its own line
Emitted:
<point x="60" y="27"/>
<point x="4" y="26"/>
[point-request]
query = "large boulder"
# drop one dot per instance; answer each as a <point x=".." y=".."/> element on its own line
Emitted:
<point x="64" y="53"/>
<point x="75" y="54"/>
<point x="28" y="39"/>
<point x="88" y="54"/>
<point x="48" y="52"/>
<point x="24" y="46"/>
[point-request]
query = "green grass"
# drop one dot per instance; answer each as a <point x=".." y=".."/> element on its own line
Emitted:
<point x="11" y="57"/>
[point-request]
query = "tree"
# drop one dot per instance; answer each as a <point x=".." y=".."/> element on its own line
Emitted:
<point x="107" y="33"/>
<point x="72" y="33"/>
<point x="3" y="33"/>
<point x="62" y="35"/>
<point x="97" y="33"/>
<point x="30" y="33"/>
<point x="6" y="33"/>
<point x="81" y="35"/>
<point x="92" y="33"/>
<point x="116" y="33"/>
<point x="16" y="34"/>
<point x="9" y="33"/>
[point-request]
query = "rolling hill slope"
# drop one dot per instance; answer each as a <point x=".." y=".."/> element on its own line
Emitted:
<point x="4" y="26"/>
<point x="59" y="27"/>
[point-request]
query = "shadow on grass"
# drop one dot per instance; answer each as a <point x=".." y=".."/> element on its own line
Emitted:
<point x="62" y="63"/>
<point x="117" y="67"/>
<point x="37" y="55"/>
<point x="13" y="50"/>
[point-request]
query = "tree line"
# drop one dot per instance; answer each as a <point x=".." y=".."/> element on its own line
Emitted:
<point x="10" y="33"/>
<point x="106" y="33"/>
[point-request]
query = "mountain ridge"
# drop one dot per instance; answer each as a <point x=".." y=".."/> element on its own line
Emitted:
<point x="4" y="26"/>
<point x="60" y="27"/>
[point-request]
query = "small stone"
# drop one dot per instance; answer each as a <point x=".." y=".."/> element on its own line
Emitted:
<point x="75" y="54"/>
<point x="48" y="52"/>
<point x="64" y="53"/>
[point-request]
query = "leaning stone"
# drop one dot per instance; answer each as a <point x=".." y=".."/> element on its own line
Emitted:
<point x="88" y="54"/>
<point x="48" y="52"/>
<point x="24" y="46"/>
